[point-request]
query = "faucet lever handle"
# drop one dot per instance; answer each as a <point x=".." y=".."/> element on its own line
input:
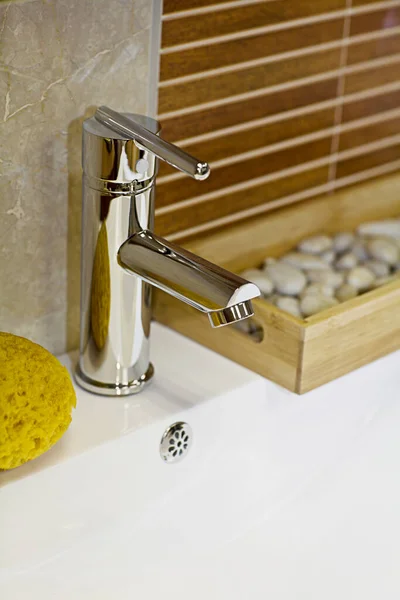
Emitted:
<point x="170" y="153"/>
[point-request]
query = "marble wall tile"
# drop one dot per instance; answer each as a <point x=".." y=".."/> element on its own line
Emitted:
<point x="58" y="60"/>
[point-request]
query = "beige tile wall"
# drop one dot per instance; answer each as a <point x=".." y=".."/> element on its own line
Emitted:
<point x="58" y="59"/>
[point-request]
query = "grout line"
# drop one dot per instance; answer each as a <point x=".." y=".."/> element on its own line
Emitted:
<point x="293" y="83"/>
<point x="292" y="142"/>
<point x="319" y="18"/>
<point x="337" y="119"/>
<point x="231" y="219"/>
<point x="363" y="37"/>
<point x="201" y="10"/>
<point x="319" y="162"/>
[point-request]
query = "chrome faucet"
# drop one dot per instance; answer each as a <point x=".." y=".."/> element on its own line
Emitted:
<point x="122" y="258"/>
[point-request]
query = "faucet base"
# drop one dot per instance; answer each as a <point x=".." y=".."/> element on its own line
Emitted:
<point x="113" y="389"/>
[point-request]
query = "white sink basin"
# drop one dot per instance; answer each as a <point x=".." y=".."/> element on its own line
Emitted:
<point x="280" y="497"/>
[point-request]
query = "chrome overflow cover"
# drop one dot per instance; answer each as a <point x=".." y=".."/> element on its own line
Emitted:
<point x="175" y="442"/>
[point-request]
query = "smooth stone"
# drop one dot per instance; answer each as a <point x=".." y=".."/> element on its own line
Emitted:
<point x="310" y="305"/>
<point x="360" y="250"/>
<point x="383" y="249"/>
<point x="346" y="292"/>
<point x="347" y="261"/>
<point x="290" y="305"/>
<point x="343" y="241"/>
<point x="318" y="289"/>
<point x="328" y="256"/>
<point x="286" y="278"/>
<point x="379" y="268"/>
<point x="260" y="279"/>
<point x="327" y="277"/>
<point x="361" y="278"/>
<point x="388" y="227"/>
<point x="315" y="244"/>
<point x="301" y="260"/>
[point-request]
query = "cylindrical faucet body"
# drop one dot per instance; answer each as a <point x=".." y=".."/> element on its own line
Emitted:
<point x="118" y="200"/>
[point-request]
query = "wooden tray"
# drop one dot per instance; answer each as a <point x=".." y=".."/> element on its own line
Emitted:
<point x="299" y="354"/>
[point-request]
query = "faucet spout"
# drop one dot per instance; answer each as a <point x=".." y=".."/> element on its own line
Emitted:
<point x="224" y="296"/>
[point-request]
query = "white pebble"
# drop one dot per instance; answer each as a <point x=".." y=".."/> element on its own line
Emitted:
<point x="328" y="256"/>
<point x="310" y="305"/>
<point x="290" y="305"/>
<point x="388" y="227"/>
<point x="318" y="289"/>
<point x="327" y="277"/>
<point x="379" y="268"/>
<point x="315" y="244"/>
<point x="260" y="279"/>
<point x="361" y="278"/>
<point x="301" y="260"/>
<point x="286" y="278"/>
<point x="360" y="250"/>
<point x="343" y="241"/>
<point x="346" y="261"/>
<point x="346" y="292"/>
<point x="383" y="249"/>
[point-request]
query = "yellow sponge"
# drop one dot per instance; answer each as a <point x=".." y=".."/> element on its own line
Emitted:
<point x="36" y="400"/>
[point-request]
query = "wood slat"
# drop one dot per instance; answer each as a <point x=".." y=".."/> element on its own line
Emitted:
<point x="373" y="77"/>
<point x="171" y="6"/>
<point x="187" y="62"/>
<point x="363" y="2"/>
<point x="370" y="106"/>
<point x="375" y="20"/>
<point x="369" y="133"/>
<point x="373" y="49"/>
<point x="367" y="161"/>
<point x="246" y="170"/>
<point x="213" y="119"/>
<point x="223" y="22"/>
<point x="251" y="139"/>
<point x="189" y="94"/>
<point x="183" y="218"/>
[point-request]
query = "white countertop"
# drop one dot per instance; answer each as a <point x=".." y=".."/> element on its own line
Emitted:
<point x="187" y="374"/>
<point x="281" y="496"/>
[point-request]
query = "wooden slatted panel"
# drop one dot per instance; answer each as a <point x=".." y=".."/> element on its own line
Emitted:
<point x="253" y="87"/>
<point x="258" y="137"/>
<point x="244" y="17"/>
<point x="185" y="217"/>
<point x="178" y="96"/>
<point x="212" y="119"/>
<point x="197" y="60"/>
